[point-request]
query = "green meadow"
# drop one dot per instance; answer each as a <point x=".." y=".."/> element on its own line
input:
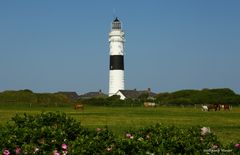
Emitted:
<point x="225" y="124"/>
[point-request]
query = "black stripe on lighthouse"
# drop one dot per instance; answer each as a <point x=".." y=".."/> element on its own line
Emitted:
<point x="116" y="62"/>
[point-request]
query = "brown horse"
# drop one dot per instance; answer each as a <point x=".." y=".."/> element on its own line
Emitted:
<point x="213" y="106"/>
<point x="226" y="107"/>
<point x="217" y="107"/>
<point x="78" y="107"/>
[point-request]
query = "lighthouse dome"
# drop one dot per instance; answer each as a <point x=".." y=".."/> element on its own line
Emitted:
<point x="116" y="24"/>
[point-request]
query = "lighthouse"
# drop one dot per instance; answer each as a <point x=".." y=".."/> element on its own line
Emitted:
<point x="116" y="66"/>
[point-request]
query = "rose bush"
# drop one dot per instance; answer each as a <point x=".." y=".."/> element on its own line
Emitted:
<point x="57" y="134"/>
<point x="40" y="133"/>
<point x="160" y="139"/>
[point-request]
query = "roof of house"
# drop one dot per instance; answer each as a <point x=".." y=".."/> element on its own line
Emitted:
<point x="134" y="94"/>
<point x="93" y="94"/>
<point x="130" y="93"/>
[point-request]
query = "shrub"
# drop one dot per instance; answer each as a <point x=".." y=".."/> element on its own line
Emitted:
<point x="27" y="97"/>
<point x="205" y="96"/>
<point x="161" y="139"/>
<point x="55" y="133"/>
<point x="101" y="141"/>
<point x="43" y="132"/>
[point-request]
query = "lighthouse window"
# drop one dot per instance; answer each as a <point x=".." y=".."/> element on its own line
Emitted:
<point x="116" y="25"/>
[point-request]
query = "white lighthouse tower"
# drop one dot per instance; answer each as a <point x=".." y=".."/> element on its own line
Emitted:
<point x="116" y="68"/>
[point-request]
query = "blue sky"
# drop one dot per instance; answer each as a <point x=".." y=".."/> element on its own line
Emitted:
<point x="56" y="45"/>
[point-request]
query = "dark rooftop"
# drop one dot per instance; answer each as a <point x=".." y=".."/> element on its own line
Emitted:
<point x="93" y="95"/>
<point x="116" y="20"/>
<point x="134" y="94"/>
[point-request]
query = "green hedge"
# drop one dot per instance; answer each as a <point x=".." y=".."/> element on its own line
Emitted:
<point x="56" y="133"/>
<point x="27" y="97"/>
<point x="205" y="96"/>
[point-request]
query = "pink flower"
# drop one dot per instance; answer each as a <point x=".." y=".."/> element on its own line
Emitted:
<point x="64" y="152"/>
<point x="109" y="149"/>
<point x="128" y="135"/>
<point x="148" y="136"/>
<point x="18" y="150"/>
<point x="36" y="150"/>
<point x="55" y="152"/>
<point x="140" y="139"/>
<point x="6" y="152"/>
<point x="98" y="129"/>
<point x="205" y="131"/>
<point x="64" y="146"/>
<point x="237" y="145"/>
<point x="214" y="147"/>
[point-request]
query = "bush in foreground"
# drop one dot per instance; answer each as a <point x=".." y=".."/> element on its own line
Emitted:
<point x="55" y="133"/>
<point x="40" y="133"/>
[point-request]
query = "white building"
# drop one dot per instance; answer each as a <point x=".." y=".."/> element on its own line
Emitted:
<point x="116" y="67"/>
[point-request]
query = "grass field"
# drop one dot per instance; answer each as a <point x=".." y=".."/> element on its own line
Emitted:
<point x="225" y="124"/>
